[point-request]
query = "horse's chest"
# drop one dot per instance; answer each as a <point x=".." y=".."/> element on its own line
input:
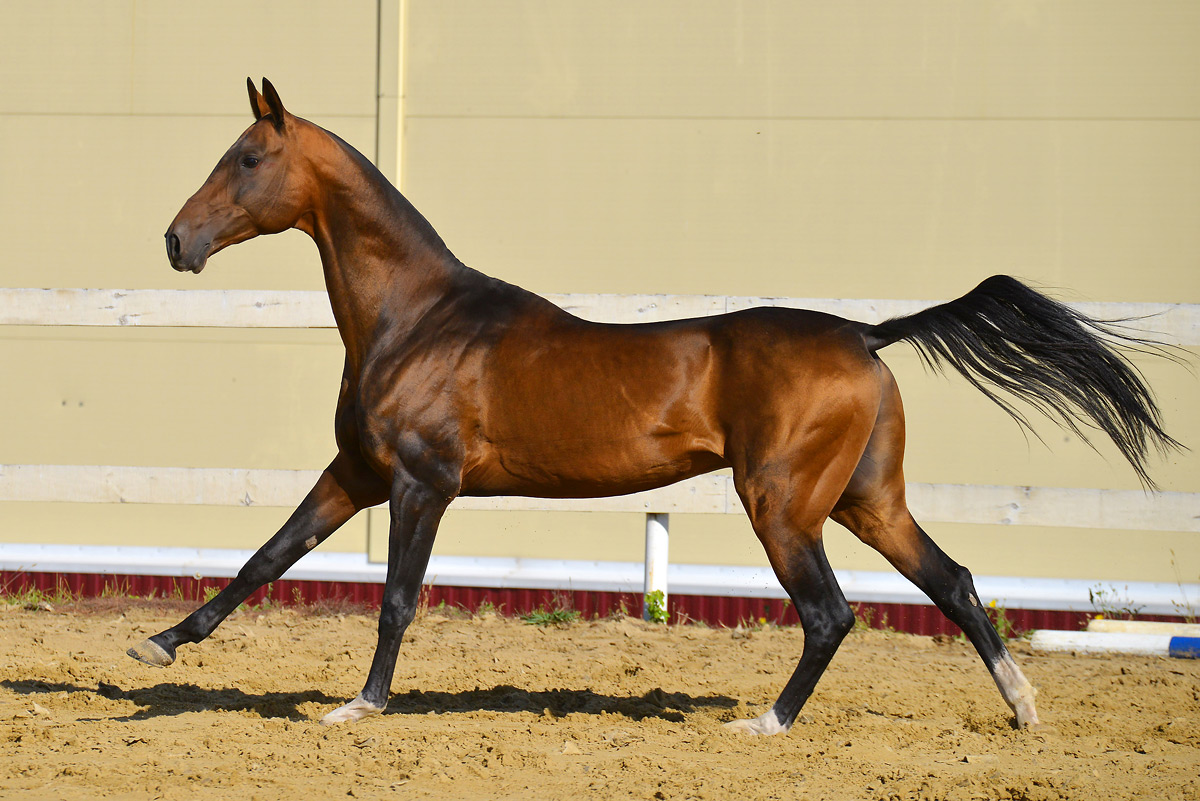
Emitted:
<point x="410" y="409"/>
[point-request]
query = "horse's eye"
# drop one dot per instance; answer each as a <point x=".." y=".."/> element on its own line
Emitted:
<point x="249" y="162"/>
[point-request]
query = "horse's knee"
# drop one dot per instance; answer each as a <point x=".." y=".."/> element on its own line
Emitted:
<point x="827" y="624"/>
<point x="396" y="613"/>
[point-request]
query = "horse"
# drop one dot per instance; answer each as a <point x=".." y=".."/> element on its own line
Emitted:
<point x="459" y="384"/>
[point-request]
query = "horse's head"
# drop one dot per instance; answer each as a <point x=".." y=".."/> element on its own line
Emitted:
<point x="260" y="186"/>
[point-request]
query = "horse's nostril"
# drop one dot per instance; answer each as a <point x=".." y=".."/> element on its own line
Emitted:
<point x="173" y="246"/>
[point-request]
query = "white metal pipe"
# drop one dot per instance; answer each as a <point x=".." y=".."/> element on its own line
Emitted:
<point x="1106" y="642"/>
<point x="1144" y="627"/>
<point x="657" y="541"/>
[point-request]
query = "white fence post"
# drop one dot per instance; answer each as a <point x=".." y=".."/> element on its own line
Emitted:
<point x="657" y="536"/>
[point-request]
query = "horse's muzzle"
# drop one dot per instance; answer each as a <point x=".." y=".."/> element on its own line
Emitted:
<point x="183" y="261"/>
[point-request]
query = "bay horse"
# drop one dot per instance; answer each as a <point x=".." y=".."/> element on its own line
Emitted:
<point x="456" y="383"/>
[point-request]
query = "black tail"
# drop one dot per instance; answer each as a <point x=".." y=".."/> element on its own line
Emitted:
<point x="1002" y="334"/>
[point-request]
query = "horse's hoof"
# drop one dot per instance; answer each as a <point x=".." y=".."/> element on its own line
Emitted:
<point x="765" y="724"/>
<point x="152" y="653"/>
<point x="1027" y="717"/>
<point x="351" y="712"/>
<point x="1026" y="711"/>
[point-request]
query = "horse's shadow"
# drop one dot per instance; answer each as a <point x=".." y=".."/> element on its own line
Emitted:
<point x="656" y="703"/>
<point x="165" y="699"/>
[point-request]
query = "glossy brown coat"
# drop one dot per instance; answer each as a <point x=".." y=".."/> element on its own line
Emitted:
<point x="460" y="384"/>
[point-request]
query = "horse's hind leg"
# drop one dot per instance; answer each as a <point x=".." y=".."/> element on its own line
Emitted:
<point x="895" y="534"/>
<point x="874" y="509"/>
<point x="788" y="514"/>
<point x="799" y="561"/>
<point x="345" y="487"/>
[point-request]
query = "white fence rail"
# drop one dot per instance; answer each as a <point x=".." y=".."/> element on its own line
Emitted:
<point x="711" y="494"/>
<point x="1172" y="323"/>
<point x="1175" y="324"/>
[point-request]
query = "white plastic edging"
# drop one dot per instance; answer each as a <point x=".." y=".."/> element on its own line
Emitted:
<point x="552" y="574"/>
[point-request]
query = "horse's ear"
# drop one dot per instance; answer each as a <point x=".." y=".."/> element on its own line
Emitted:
<point x="258" y="103"/>
<point x="274" y="104"/>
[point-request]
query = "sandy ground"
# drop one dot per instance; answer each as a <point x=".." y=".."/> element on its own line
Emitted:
<point x="487" y="707"/>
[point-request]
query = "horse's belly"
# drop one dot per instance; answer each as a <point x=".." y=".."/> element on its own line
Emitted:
<point x="588" y="411"/>
<point x="580" y="467"/>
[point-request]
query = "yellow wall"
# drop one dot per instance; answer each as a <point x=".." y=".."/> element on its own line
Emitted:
<point x="902" y="150"/>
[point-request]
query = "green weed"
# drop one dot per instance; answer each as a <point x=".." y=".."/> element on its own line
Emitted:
<point x="656" y="607"/>
<point x="620" y="611"/>
<point x="486" y="607"/>
<point x="1001" y="622"/>
<point x="36" y="598"/>
<point x="1184" y="607"/>
<point x="864" y="619"/>
<point x="1110" y="603"/>
<point x="563" y="614"/>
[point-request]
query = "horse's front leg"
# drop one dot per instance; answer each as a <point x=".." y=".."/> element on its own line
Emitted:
<point x="416" y="510"/>
<point x="345" y="487"/>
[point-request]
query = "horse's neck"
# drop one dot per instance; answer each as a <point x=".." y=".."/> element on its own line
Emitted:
<point x="384" y="264"/>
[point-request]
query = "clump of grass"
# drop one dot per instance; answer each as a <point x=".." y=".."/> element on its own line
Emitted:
<point x="620" y="611"/>
<point x="550" y="617"/>
<point x="268" y="602"/>
<point x="682" y="618"/>
<point x="451" y="611"/>
<point x="562" y="614"/>
<point x="423" y="598"/>
<point x="265" y="605"/>
<point x="1001" y="622"/>
<point x="487" y="607"/>
<point x="864" y="619"/>
<point x="748" y="625"/>
<point x="29" y="598"/>
<point x="37" y="598"/>
<point x="863" y="616"/>
<point x="116" y="589"/>
<point x="1183" y="607"/>
<point x="1109" y="602"/>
